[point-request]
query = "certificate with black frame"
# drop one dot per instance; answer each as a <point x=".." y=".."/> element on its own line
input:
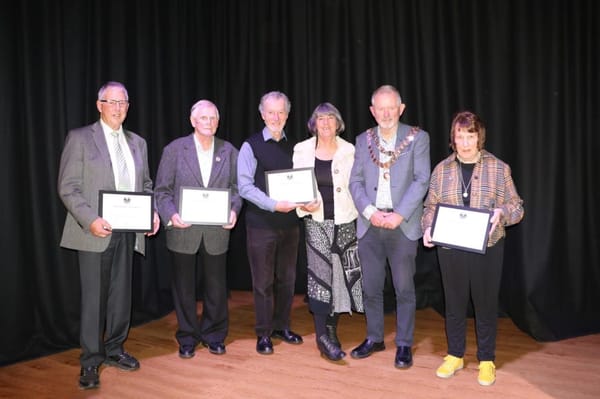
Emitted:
<point x="294" y="185"/>
<point x="206" y="206"/>
<point x="461" y="227"/>
<point x="127" y="211"/>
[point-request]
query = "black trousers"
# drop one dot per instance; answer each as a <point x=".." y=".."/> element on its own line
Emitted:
<point x="105" y="299"/>
<point x="272" y="254"/>
<point x="213" y="326"/>
<point x="470" y="276"/>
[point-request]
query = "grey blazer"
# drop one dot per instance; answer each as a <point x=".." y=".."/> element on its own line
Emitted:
<point x="85" y="169"/>
<point x="179" y="167"/>
<point x="409" y="181"/>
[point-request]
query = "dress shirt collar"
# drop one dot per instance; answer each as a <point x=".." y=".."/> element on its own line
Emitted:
<point x="267" y="135"/>
<point x="108" y="130"/>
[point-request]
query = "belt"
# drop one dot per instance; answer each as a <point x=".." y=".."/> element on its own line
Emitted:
<point x="386" y="209"/>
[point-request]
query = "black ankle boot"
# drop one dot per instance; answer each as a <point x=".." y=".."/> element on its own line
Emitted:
<point x="329" y="349"/>
<point x="332" y="334"/>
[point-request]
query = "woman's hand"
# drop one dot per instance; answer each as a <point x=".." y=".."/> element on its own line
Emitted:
<point x="311" y="206"/>
<point x="496" y="217"/>
<point x="427" y="238"/>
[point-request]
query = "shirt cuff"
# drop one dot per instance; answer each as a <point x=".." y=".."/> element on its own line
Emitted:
<point x="369" y="211"/>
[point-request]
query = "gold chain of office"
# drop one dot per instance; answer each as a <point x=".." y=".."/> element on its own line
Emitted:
<point x="373" y="141"/>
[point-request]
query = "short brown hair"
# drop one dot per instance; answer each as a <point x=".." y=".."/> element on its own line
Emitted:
<point x="470" y="121"/>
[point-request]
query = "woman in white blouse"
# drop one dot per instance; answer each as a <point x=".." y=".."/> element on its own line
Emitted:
<point x="334" y="275"/>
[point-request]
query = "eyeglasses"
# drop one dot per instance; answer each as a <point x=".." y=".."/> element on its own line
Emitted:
<point x="116" y="103"/>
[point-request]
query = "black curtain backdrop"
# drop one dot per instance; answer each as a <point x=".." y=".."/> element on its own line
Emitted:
<point x="529" y="68"/>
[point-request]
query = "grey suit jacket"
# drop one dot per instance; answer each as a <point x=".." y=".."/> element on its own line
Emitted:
<point x="85" y="169"/>
<point x="409" y="180"/>
<point x="179" y="167"/>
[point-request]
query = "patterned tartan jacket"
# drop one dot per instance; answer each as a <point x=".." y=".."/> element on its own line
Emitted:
<point x="492" y="187"/>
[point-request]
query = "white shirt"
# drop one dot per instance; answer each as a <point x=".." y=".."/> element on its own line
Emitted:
<point x="126" y="152"/>
<point x="384" y="191"/>
<point x="205" y="158"/>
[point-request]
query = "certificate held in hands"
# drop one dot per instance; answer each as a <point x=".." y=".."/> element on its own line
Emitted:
<point x="293" y="185"/>
<point x="127" y="211"/>
<point x="461" y="227"/>
<point x="206" y="206"/>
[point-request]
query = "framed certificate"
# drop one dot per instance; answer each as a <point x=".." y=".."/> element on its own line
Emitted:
<point x="294" y="185"/>
<point x="127" y="211"/>
<point x="208" y="206"/>
<point x="461" y="227"/>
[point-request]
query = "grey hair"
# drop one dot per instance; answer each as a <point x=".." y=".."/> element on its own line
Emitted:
<point x="276" y="95"/>
<point x="110" y="84"/>
<point x="204" y="103"/>
<point x="386" y="89"/>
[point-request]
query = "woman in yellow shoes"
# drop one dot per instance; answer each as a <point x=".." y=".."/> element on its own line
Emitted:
<point x="487" y="369"/>
<point x="474" y="178"/>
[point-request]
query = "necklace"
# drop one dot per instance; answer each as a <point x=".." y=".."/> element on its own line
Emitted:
<point x="373" y="141"/>
<point x="465" y="193"/>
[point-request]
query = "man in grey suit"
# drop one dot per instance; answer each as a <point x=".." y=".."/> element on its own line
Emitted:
<point x="103" y="156"/>
<point x="388" y="182"/>
<point x="198" y="160"/>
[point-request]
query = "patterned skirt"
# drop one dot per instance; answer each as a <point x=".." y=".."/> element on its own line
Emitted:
<point x="334" y="275"/>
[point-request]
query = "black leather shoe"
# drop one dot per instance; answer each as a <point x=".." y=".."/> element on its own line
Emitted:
<point x="287" y="336"/>
<point x="366" y="349"/>
<point x="329" y="349"/>
<point x="89" y="378"/>
<point x="264" y="346"/>
<point x="403" y="357"/>
<point x="124" y="361"/>
<point x="216" y="348"/>
<point x="187" y="351"/>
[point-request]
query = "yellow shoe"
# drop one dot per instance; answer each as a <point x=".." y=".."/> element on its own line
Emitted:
<point x="450" y="366"/>
<point x="487" y="373"/>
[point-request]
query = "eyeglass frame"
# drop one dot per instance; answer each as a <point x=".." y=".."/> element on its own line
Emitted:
<point x="115" y="103"/>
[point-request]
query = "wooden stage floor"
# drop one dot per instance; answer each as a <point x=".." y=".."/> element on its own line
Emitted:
<point x="525" y="368"/>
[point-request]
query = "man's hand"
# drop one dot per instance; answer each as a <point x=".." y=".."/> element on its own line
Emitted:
<point x="100" y="228"/>
<point x="285" y="206"/>
<point x="177" y="222"/>
<point x="155" y="225"/>
<point x="392" y="220"/>
<point x="232" y="220"/>
<point x="386" y="220"/>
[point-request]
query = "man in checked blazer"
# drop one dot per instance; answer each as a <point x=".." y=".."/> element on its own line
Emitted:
<point x="89" y="164"/>
<point x="198" y="160"/>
